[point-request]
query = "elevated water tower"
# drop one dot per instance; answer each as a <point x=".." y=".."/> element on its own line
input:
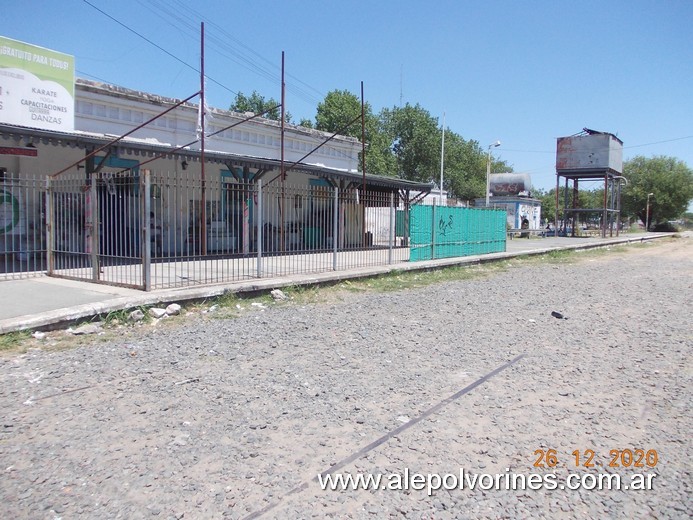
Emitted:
<point x="589" y="156"/>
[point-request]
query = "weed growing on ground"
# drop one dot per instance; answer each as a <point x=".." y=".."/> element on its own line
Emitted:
<point x="13" y="340"/>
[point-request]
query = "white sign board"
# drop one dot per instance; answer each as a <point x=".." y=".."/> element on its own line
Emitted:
<point x="37" y="86"/>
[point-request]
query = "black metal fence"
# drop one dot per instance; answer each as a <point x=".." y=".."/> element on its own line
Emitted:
<point x="154" y="230"/>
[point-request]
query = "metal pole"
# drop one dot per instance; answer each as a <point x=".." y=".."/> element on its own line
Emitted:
<point x="604" y="212"/>
<point x="576" y="202"/>
<point x="50" y="226"/>
<point x="618" y="208"/>
<point x="335" y="227"/>
<point x="259" y="228"/>
<point x="363" y="167"/>
<point x="95" y="230"/>
<point x="565" y="208"/>
<point x="146" y="226"/>
<point x="555" y="217"/>
<point x="391" y="238"/>
<point x="433" y="231"/>
<point x="442" y="159"/>
<point x="612" y="192"/>
<point x="488" y="174"/>
<point x="203" y="210"/>
<point x="282" y="170"/>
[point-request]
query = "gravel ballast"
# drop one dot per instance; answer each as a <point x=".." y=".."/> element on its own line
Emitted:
<point x="233" y="417"/>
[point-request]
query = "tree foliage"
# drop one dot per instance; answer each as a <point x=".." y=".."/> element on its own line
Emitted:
<point x="669" y="180"/>
<point x="257" y="104"/>
<point x="340" y="112"/>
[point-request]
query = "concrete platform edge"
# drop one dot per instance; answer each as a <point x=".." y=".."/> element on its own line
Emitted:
<point x="60" y="317"/>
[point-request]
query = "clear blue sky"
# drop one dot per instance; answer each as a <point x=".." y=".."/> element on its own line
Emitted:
<point x="524" y="73"/>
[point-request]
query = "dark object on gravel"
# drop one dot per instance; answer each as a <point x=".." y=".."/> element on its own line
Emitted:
<point x="558" y="315"/>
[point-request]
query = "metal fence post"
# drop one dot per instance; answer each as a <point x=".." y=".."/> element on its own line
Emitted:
<point x="335" y="227"/>
<point x="94" y="207"/>
<point x="50" y="226"/>
<point x="146" y="226"/>
<point x="433" y="231"/>
<point x="391" y="237"/>
<point x="259" y="228"/>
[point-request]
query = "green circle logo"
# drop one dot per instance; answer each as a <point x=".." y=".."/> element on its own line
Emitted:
<point x="9" y="212"/>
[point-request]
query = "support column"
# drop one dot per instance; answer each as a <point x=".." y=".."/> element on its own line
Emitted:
<point x="145" y="229"/>
<point x="95" y="230"/>
<point x="391" y="237"/>
<point x="335" y="227"/>
<point x="258" y="220"/>
<point x="50" y="227"/>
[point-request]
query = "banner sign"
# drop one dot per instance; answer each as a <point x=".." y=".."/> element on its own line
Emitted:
<point x="37" y="86"/>
<point x="16" y="150"/>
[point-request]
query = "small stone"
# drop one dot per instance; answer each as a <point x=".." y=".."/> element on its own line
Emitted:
<point x="157" y="312"/>
<point x="173" y="309"/>
<point x="89" y="328"/>
<point x="136" y="315"/>
<point x="38" y="335"/>
<point x="279" y="295"/>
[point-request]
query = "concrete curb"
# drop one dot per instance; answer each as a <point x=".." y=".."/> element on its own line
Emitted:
<point x="60" y="317"/>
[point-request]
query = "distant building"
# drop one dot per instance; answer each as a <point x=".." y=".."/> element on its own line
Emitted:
<point x="512" y="192"/>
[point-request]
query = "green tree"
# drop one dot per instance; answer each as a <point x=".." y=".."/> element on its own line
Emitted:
<point x="465" y="167"/>
<point x="548" y="202"/>
<point x="415" y="141"/>
<point x="340" y="111"/>
<point x="257" y="104"/>
<point x="669" y="180"/>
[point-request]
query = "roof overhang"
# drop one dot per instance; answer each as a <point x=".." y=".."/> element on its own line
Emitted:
<point x="150" y="148"/>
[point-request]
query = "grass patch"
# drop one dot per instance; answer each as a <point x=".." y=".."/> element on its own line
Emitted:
<point x="402" y="280"/>
<point x="13" y="340"/>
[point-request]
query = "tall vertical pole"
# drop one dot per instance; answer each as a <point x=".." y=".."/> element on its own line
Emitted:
<point x="565" y="207"/>
<point x="576" y="202"/>
<point x="259" y="228"/>
<point x="618" y="207"/>
<point x="442" y="159"/>
<point x="282" y="171"/>
<point x="391" y="237"/>
<point x="555" y="217"/>
<point x="96" y="227"/>
<point x="604" y="212"/>
<point x="146" y="229"/>
<point x="50" y="225"/>
<point x="433" y="230"/>
<point x="363" y="167"/>
<point x="488" y="174"/>
<point x="203" y="181"/>
<point x="335" y="227"/>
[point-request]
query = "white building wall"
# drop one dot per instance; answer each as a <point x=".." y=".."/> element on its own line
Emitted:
<point x="99" y="110"/>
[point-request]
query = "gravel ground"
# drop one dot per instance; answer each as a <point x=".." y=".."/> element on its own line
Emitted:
<point x="215" y="417"/>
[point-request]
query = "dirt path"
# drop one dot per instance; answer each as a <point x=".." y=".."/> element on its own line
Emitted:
<point x="230" y="418"/>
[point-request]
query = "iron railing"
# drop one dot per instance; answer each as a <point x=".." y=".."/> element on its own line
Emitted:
<point x="157" y="230"/>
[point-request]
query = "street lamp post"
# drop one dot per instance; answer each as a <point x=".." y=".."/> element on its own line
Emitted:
<point x="488" y="169"/>
<point x="647" y="212"/>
